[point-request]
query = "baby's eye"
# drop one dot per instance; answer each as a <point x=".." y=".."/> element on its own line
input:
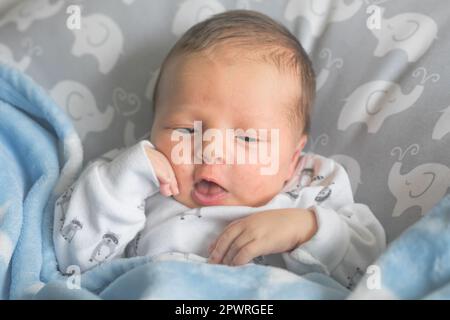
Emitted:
<point x="247" y="139"/>
<point x="185" y="130"/>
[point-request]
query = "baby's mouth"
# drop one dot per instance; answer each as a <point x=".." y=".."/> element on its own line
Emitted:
<point x="208" y="193"/>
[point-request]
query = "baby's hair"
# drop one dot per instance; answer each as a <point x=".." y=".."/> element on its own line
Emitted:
<point x="250" y="30"/>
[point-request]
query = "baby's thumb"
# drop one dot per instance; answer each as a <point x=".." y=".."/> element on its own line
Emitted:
<point x="163" y="179"/>
<point x="165" y="189"/>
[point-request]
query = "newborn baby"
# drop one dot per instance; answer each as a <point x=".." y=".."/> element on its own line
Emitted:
<point x="184" y="195"/>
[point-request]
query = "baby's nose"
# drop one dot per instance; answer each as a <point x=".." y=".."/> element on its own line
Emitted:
<point x="211" y="152"/>
<point x="213" y="158"/>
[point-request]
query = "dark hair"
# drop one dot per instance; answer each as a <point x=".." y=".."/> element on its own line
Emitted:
<point x="246" y="28"/>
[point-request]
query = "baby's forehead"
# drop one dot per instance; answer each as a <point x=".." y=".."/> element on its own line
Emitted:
<point x="188" y="67"/>
<point x="249" y="117"/>
<point x="196" y="77"/>
<point x="235" y="52"/>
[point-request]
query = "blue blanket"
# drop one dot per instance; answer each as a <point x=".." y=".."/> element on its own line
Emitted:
<point x="41" y="155"/>
<point x="417" y="264"/>
<point x="36" y="141"/>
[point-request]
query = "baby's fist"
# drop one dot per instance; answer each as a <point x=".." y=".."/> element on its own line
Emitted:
<point x="164" y="172"/>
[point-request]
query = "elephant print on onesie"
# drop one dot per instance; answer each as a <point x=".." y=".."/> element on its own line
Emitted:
<point x="324" y="194"/>
<point x="62" y="204"/>
<point x="304" y="179"/>
<point x="69" y="231"/>
<point x="105" y="248"/>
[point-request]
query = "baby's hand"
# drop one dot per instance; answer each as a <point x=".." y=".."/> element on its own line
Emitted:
<point x="164" y="172"/>
<point x="263" y="233"/>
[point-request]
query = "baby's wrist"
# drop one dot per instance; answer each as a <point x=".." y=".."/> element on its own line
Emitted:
<point x="308" y="226"/>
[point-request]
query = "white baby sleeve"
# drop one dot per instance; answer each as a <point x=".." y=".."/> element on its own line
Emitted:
<point x="104" y="209"/>
<point x="349" y="237"/>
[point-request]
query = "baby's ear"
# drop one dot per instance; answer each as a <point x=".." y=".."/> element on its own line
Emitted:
<point x="296" y="156"/>
<point x="301" y="143"/>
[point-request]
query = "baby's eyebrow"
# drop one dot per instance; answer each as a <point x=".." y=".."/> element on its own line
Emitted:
<point x="183" y="110"/>
<point x="180" y="116"/>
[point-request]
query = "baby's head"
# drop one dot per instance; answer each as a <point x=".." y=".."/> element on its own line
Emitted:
<point x="237" y="70"/>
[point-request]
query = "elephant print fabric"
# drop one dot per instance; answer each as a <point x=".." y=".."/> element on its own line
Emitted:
<point x="411" y="32"/>
<point x="382" y="108"/>
<point x="319" y="13"/>
<point x="191" y="12"/>
<point x="422" y="186"/>
<point x="61" y="206"/>
<point x="69" y="231"/>
<point x="29" y="11"/>
<point x="378" y="100"/>
<point x="101" y="38"/>
<point x="7" y="56"/>
<point x="81" y="106"/>
<point x="105" y="248"/>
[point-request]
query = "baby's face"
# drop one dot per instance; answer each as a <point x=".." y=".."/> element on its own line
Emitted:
<point x="225" y="92"/>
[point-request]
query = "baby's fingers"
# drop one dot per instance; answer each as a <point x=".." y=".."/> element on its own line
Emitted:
<point x="247" y="254"/>
<point x="174" y="185"/>
<point x="171" y="180"/>
<point x="223" y="243"/>
<point x="165" y="190"/>
<point x="212" y="246"/>
<point x="240" y="242"/>
<point x="164" y="178"/>
<point x="168" y="183"/>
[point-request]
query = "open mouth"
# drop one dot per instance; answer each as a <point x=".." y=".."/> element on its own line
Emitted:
<point x="208" y="193"/>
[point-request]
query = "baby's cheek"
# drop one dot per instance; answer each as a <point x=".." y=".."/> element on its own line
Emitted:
<point x="183" y="174"/>
<point x="256" y="188"/>
<point x="185" y="185"/>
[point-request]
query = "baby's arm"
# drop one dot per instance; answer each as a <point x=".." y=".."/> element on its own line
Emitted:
<point x="104" y="209"/>
<point x="325" y="231"/>
<point x="348" y="238"/>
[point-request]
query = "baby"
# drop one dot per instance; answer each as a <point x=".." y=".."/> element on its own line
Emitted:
<point x="172" y="199"/>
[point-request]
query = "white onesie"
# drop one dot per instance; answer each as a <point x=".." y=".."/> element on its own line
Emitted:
<point x="115" y="210"/>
